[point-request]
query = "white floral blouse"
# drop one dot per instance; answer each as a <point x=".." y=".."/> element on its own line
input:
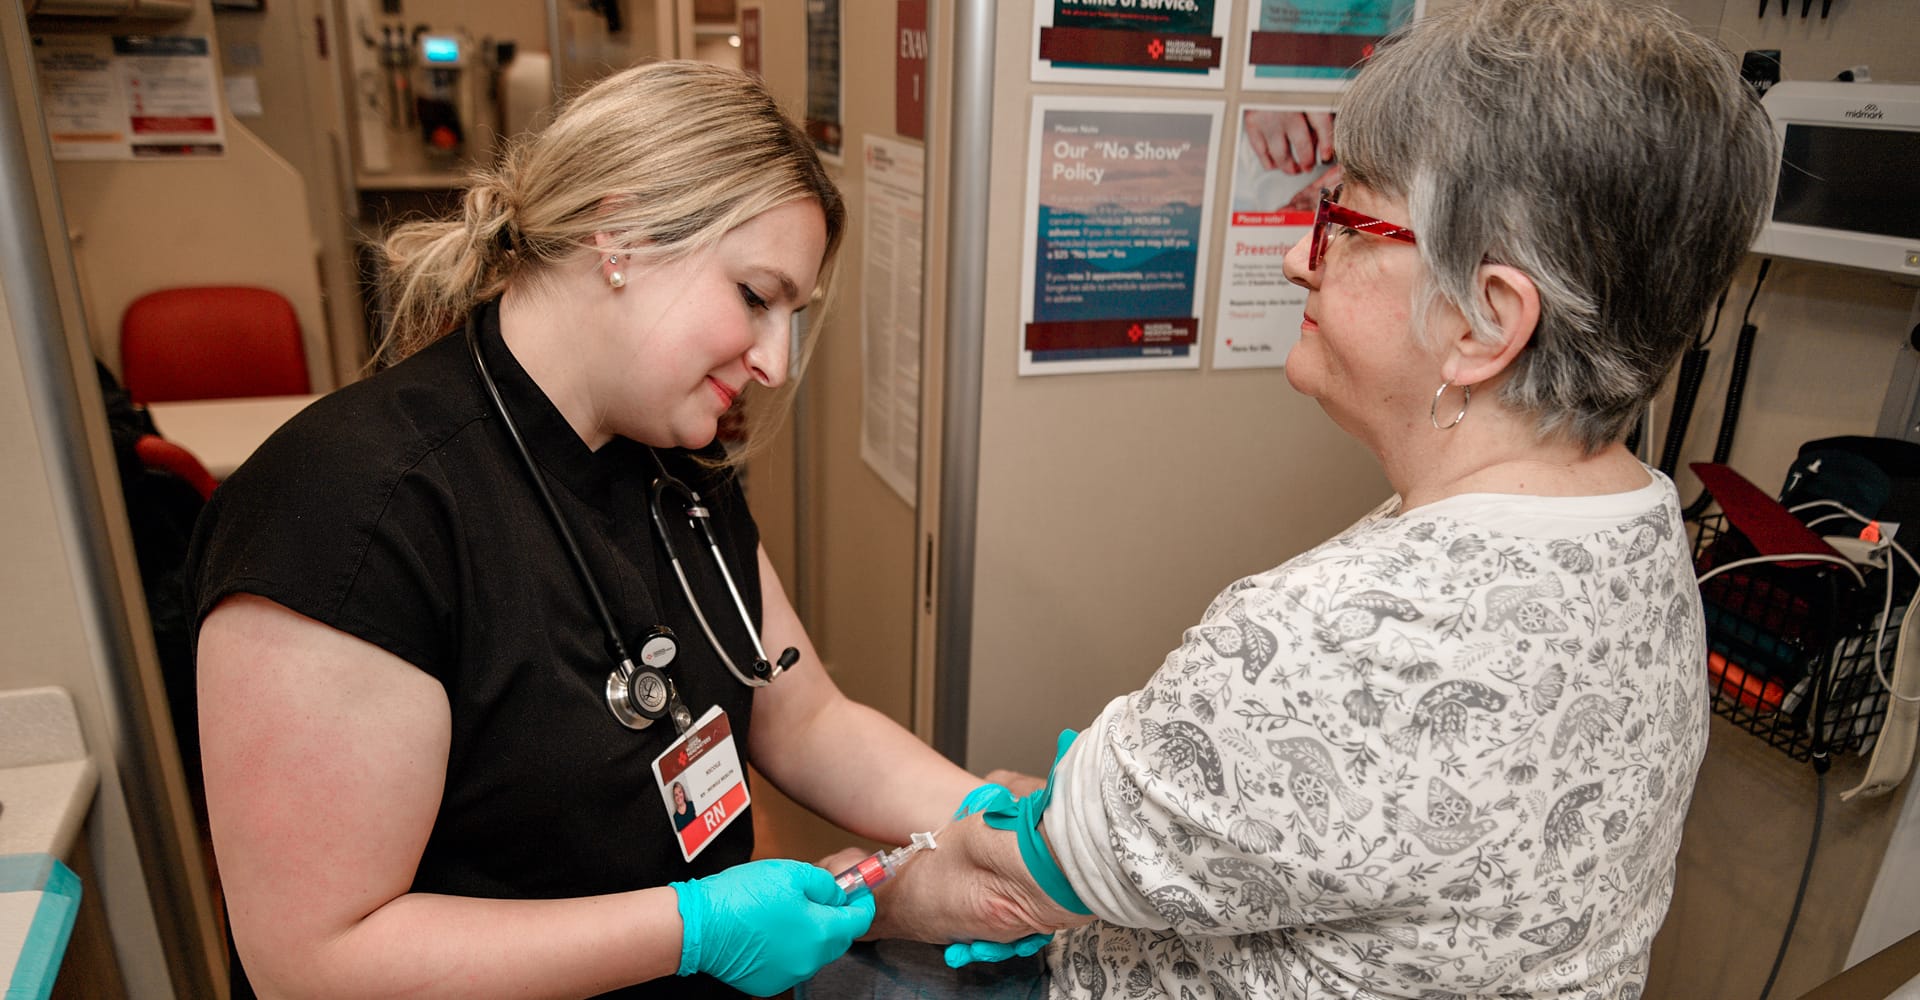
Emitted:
<point x="1447" y="753"/>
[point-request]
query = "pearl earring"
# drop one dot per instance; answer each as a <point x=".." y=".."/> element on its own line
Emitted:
<point x="616" y="278"/>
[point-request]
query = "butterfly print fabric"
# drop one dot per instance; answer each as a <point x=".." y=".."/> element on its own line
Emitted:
<point x="1447" y="753"/>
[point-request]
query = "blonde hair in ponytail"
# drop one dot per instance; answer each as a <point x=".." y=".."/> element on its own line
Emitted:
<point x="664" y="158"/>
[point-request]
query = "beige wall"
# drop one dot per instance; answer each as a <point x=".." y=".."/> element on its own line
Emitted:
<point x="1113" y="507"/>
<point x="1740" y="861"/>
<point x="44" y="618"/>
<point x="588" y="53"/>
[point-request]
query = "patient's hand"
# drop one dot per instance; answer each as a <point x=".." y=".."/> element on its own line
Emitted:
<point x="973" y="887"/>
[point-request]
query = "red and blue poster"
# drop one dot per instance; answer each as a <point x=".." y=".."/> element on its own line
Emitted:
<point x="1162" y="43"/>
<point x="1119" y="194"/>
<point x="1316" y="45"/>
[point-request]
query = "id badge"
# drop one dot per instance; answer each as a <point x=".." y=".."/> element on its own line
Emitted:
<point x="702" y="783"/>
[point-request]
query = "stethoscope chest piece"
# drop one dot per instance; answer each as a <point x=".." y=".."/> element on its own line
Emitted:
<point x="640" y="695"/>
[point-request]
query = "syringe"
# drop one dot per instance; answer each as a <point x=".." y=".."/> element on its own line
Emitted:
<point x="874" y="870"/>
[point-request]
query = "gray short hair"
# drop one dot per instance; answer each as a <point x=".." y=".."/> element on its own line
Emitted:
<point x="1601" y="147"/>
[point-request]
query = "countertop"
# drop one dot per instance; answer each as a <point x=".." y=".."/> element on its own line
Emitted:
<point x="46" y="786"/>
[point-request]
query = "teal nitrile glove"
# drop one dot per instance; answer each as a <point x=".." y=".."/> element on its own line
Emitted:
<point x="987" y="796"/>
<point x="763" y="926"/>
<point x="969" y="952"/>
<point x="1005" y="812"/>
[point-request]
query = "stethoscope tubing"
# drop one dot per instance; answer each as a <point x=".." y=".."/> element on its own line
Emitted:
<point x="697" y="514"/>
<point x="578" y="558"/>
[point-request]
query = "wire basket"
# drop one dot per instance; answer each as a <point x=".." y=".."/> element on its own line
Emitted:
<point x="1791" y="645"/>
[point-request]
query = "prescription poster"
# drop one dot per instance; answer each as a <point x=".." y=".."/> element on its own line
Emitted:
<point x="1116" y="233"/>
<point x="1315" y="45"/>
<point x="1156" y="43"/>
<point x="1283" y="157"/>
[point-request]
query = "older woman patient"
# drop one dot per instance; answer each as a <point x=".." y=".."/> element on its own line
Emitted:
<point x="1448" y="751"/>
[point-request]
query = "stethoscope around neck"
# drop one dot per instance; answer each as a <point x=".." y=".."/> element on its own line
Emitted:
<point x="641" y="694"/>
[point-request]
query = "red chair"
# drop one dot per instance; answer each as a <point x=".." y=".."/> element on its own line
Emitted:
<point x="157" y="452"/>
<point x="211" y="342"/>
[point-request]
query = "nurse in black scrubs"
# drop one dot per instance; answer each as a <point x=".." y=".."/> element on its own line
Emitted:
<point x="414" y="780"/>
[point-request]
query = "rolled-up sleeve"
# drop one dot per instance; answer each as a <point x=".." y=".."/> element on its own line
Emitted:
<point x="1081" y="836"/>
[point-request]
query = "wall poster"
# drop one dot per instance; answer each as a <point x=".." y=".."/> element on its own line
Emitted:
<point x="893" y="215"/>
<point x="1315" y="44"/>
<point x="129" y="97"/>
<point x="1156" y="43"/>
<point x="1115" y="254"/>
<point x="823" y="76"/>
<point x="1283" y="156"/>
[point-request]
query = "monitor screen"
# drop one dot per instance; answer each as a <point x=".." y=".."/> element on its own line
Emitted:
<point x="440" y="49"/>
<point x="1853" y="179"/>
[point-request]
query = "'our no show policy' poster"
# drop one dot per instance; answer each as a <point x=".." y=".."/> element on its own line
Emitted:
<point x="1116" y="233"/>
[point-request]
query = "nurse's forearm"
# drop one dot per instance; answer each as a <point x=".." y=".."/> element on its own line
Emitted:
<point x="837" y="757"/>
<point x="864" y="772"/>
<point x="425" y="946"/>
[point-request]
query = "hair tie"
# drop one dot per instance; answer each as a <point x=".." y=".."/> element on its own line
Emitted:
<point x="507" y="239"/>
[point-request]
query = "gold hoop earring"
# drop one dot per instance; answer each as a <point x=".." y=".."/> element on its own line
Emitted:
<point x="1433" y="408"/>
<point x="616" y="278"/>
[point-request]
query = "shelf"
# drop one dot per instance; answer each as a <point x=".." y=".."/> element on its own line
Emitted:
<point x="434" y="180"/>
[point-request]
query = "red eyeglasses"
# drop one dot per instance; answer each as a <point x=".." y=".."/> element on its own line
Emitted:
<point x="1332" y="212"/>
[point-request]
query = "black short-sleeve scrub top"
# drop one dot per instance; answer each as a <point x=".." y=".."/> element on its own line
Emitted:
<point x="396" y="510"/>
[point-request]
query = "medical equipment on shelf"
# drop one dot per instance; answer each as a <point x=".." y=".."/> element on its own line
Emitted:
<point x="874" y="870"/>
<point x="428" y="100"/>
<point x="640" y="694"/>
<point x="1846" y="193"/>
<point x="441" y="102"/>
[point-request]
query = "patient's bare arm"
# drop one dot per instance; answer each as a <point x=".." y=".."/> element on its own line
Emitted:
<point x="973" y="887"/>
